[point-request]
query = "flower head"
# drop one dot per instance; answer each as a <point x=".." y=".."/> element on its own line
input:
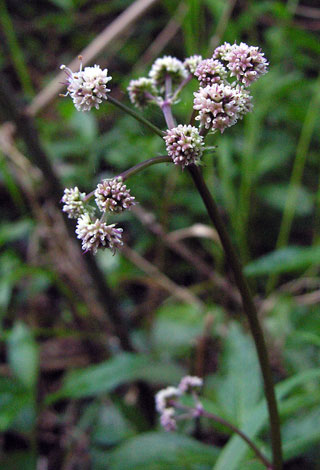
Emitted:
<point x="189" y="382"/>
<point x="141" y="91"/>
<point x="246" y="63"/>
<point x="73" y="202"/>
<point x="98" y="234"/>
<point x="184" y="144"/>
<point x="221" y="51"/>
<point x="113" y="196"/>
<point x="220" y="106"/>
<point x="87" y="87"/>
<point x="167" y="66"/>
<point x="191" y="63"/>
<point x="167" y="419"/>
<point x="210" y="71"/>
<point x="164" y="396"/>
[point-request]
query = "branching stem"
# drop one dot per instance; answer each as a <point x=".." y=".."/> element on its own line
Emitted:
<point x="199" y="411"/>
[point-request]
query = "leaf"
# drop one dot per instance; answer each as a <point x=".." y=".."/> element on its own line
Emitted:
<point x="158" y="451"/>
<point x="108" y="375"/>
<point x="284" y="260"/>
<point x="23" y="355"/>
<point x="63" y="4"/>
<point x="300" y="433"/>
<point x="239" y="388"/>
<point x="10" y="232"/>
<point x="235" y="450"/>
<point x="176" y="328"/>
<point x="110" y="426"/>
<point x="13" y="398"/>
<point x="276" y="196"/>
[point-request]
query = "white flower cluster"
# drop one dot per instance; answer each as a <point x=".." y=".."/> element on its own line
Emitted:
<point x="246" y="63"/>
<point x="88" y="87"/>
<point x="167" y="66"/>
<point x="191" y="63"/>
<point x="73" y="202"/>
<point x="142" y="92"/>
<point x="221" y="101"/>
<point x="97" y="234"/>
<point x="111" y="196"/>
<point x="165" y="400"/>
<point x="154" y="89"/>
<point x="210" y="71"/>
<point x="220" y="106"/>
<point x="184" y="145"/>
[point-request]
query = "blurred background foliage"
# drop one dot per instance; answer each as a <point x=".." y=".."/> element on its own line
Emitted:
<point x="71" y="395"/>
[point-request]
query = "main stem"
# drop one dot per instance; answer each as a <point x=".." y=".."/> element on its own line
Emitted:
<point x="250" y="311"/>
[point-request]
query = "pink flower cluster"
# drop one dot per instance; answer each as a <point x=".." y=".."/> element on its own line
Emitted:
<point x="221" y="102"/>
<point x="165" y="400"/>
<point x="113" y="196"/>
<point x="184" y="144"/>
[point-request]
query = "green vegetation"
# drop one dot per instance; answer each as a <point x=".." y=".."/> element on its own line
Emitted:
<point x="87" y="342"/>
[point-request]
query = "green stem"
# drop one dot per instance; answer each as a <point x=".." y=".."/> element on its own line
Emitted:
<point x="141" y="166"/>
<point x="199" y="411"/>
<point x="296" y="175"/>
<point x="136" y="116"/>
<point x="250" y="311"/>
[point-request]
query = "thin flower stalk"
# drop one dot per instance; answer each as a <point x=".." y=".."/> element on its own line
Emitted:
<point x="199" y="411"/>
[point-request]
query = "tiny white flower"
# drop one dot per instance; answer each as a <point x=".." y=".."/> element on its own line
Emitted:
<point x="98" y="234"/>
<point x="167" y="66"/>
<point x="73" y="202"/>
<point x="88" y="87"/>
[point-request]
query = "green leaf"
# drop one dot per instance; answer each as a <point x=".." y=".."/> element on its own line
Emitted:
<point x="124" y="368"/>
<point x="159" y="451"/>
<point x="234" y="452"/>
<point x="23" y="355"/>
<point x="239" y="387"/>
<point x="252" y="465"/>
<point x="13" y="398"/>
<point x="10" y="232"/>
<point x="285" y="260"/>
<point x="176" y="328"/>
<point x="300" y="433"/>
<point x="276" y="196"/>
<point x="110" y="426"/>
<point x="64" y="4"/>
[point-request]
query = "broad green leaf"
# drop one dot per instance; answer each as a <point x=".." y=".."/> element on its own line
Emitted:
<point x="175" y="329"/>
<point x="238" y="386"/>
<point x="23" y="355"/>
<point x="108" y="375"/>
<point x="300" y="433"/>
<point x="13" y="398"/>
<point x="252" y="465"/>
<point x="285" y="260"/>
<point x="236" y="449"/>
<point x="110" y="426"/>
<point x="159" y="451"/>
<point x="275" y="195"/>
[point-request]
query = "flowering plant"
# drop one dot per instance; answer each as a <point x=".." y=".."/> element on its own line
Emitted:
<point x="223" y="98"/>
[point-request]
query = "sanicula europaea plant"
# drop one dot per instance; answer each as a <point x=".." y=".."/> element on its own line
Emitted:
<point x="222" y="99"/>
